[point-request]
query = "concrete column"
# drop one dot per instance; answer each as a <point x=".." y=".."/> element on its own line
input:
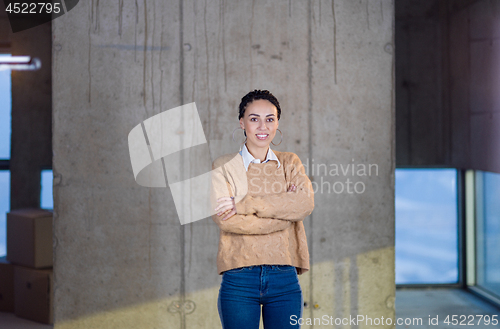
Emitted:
<point x="122" y="260"/>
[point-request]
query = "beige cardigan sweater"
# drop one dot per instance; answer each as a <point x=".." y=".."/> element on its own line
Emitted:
<point x="268" y="227"/>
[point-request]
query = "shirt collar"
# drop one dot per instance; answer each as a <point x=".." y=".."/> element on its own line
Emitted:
<point x="249" y="158"/>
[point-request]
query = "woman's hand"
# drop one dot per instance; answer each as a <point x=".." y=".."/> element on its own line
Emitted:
<point x="227" y="204"/>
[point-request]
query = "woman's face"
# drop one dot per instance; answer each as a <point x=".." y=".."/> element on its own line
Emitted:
<point x="260" y="122"/>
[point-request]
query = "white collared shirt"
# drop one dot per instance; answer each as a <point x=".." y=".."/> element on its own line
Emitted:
<point x="249" y="158"/>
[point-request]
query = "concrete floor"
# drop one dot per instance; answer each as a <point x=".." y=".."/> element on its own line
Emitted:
<point x="422" y="303"/>
<point x="10" y="321"/>
<point x="410" y="304"/>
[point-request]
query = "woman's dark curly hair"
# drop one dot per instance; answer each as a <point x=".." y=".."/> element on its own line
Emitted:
<point x="258" y="94"/>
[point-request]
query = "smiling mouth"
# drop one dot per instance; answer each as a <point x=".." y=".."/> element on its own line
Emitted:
<point x="262" y="136"/>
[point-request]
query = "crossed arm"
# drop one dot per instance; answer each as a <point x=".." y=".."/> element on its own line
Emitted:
<point x="262" y="214"/>
<point x="292" y="206"/>
<point x="240" y="223"/>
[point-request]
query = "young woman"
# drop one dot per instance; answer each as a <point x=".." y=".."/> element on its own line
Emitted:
<point x="261" y="198"/>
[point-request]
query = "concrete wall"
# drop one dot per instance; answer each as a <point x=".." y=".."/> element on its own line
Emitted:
<point x="446" y="85"/>
<point x="122" y="260"/>
<point x="5" y="31"/>
<point x="476" y="81"/>
<point x="422" y="117"/>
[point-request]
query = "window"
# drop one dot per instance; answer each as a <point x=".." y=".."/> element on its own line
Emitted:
<point x="4" y="208"/>
<point x="5" y="113"/>
<point x="488" y="231"/>
<point x="5" y="133"/>
<point x="46" y="200"/>
<point x="426" y="226"/>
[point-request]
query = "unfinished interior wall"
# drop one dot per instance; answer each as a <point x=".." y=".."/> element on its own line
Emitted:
<point x="475" y="76"/>
<point x="447" y="82"/>
<point x="122" y="260"/>
<point x="422" y="119"/>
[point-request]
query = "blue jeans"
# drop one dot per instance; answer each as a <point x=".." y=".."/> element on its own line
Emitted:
<point x="243" y="290"/>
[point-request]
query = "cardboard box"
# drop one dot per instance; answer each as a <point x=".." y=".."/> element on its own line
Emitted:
<point x="6" y="286"/>
<point x="33" y="294"/>
<point x="29" y="237"/>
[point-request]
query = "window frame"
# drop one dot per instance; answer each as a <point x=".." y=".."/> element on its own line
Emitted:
<point x="474" y="211"/>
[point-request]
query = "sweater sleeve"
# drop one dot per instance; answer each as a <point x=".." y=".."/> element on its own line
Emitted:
<point x="292" y="206"/>
<point x="240" y="223"/>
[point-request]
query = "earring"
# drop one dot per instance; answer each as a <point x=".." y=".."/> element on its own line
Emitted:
<point x="241" y="145"/>
<point x="280" y="139"/>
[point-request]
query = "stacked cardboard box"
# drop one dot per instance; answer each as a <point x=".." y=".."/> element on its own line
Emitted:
<point x="6" y="286"/>
<point x="29" y="255"/>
